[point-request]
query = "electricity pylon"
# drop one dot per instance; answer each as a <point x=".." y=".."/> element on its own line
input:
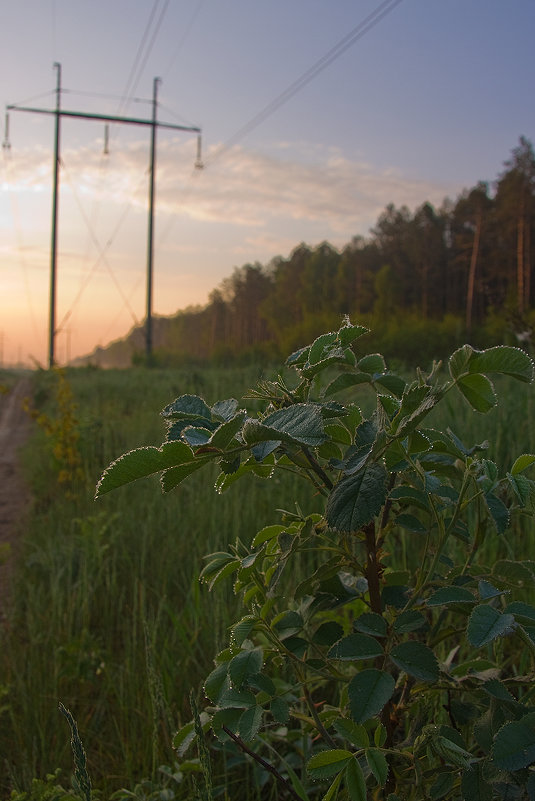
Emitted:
<point x="154" y="124"/>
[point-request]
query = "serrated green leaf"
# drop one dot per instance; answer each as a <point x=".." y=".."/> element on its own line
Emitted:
<point x="498" y="511"/>
<point x="332" y="792"/>
<point x="186" y="735"/>
<point x="236" y="699"/>
<point x="334" y="355"/>
<point x="411" y="496"/>
<point x="371" y="623"/>
<point x="393" y="383"/>
<point x="368" y="692"/>
<point x="287" y="624"/>
<point x="225" y="410"/>
<point x="356" y="646"/>
<point x="267" y="533"/>
<point x="344" y="381"/>
<point x="143" y="462"/>
<point x="524" y="461"/>
<point x="372" y="364"/>
<point x="389" y="404"/>
<point x="280" y="709"/>
<point x="411" y="523"/>
<point x="451" y="595"/>
<point x="241" y="630"/>
<point x="517" y="573"/>
<point x="245" y="664"/>
<point x="196" y="436"/>
<point x="321" y="347"/>
<point x="338" y="433"/>
<point x="328" y="763"/>
<point x="355" y="781"/>
<point x="379" y="736"/>
<point x="212" y="576"/>
<point x="357" y="498"/>
<point x="405" y="422"/>
<point x="328" y="633"/>
<point x="524" y="489"/>
<point x="217" y="682"/>
<point x="473" y="785"/>
<point x="250" y="723"/>
<point x="352" y="732"/>
<point x="416" y="659"/>
<point x="226" y="432"/>
<point x="298" y="357"/>
<point x="261" y="683"/>
<point x="229" y="718"/>
<point x="486" y="623"/>
<point x="514" y="744"/>
<point x="474" y="667"/>
<point x="301" y="423"/>
<point x="503" y="359"/>
<point x="172" y="477"/>
<point x="459" y="361"/>
<point x="478" y="391"/>
<point x="441" y="786"/>
<point x="409" y="621"/>
<point x="487" y="590"/>
<point x="187" y="407"/>
<point x="348" y="333"/>
<point x="523" y="613"/>
<point x="377" y="764"/>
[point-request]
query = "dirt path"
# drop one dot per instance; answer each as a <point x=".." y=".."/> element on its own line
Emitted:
<point x="14" y="495"/>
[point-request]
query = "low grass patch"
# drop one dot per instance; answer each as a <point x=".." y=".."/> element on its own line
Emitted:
<point x="108" y="616"/>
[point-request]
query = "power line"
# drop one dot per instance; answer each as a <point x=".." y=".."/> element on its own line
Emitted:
<point x="185" y="35"/>
<point x="153" y="123"/>
<point x="102" y="257"/>
<point x="139" y="65"/>
<point x="133" y="70"/>
<point x="103" y="252"/>
<point x="357" y="33"/>
<point x="312" y="72"/>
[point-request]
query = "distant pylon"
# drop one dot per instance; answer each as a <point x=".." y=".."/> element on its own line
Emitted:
<point x="154" y="124"/>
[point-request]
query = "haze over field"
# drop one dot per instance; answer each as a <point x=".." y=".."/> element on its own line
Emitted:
<point x="428" y="100"/>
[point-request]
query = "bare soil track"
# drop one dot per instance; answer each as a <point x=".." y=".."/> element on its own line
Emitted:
<point x="14" y="495"/>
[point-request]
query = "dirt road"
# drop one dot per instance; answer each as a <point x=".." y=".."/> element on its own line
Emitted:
<point x="14" y="495"/>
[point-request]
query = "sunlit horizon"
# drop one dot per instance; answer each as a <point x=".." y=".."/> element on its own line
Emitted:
<point x="427" y="103"/>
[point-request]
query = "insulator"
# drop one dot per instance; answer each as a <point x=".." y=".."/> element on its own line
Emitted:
<point x="6" y="144"/>
<point x="198" y="161"/>
<point x="106" y="150"/>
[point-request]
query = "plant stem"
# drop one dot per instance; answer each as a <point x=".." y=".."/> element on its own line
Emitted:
<point x="321" y="728"/>
<point x="373" y="568"/>
<point x="266" y="765"/>
<point x="317" y="468"/>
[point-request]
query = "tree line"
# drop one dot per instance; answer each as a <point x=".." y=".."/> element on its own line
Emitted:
<point x="425" y="281"/>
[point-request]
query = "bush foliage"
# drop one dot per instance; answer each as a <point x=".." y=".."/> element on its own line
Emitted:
<point x="400" y="664"/>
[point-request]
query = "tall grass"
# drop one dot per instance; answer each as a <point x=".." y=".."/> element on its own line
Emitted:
<point x="107" y="613"/>
<point x="108" y="616"/>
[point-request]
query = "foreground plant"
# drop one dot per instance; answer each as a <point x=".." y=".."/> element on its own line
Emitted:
<point x="401" y="665"/>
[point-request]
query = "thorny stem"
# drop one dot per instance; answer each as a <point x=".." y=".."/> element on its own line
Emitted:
<point x="373" y="568"/>
<point x="317" y="468"/>
<point x="443" y="537"/>
<point x="266" y="765"/>
<point x="313" y="711"/>
<point x="386" y="509"/>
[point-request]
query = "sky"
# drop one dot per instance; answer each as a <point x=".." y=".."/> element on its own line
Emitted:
<point x="311" y="125"/>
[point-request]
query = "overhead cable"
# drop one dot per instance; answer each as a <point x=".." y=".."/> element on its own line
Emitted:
<point x="335" y="52"/>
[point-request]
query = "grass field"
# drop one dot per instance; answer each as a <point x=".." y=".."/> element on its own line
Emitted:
<point x="108" y="616"/>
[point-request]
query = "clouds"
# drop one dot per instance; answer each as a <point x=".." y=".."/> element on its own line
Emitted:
<point x="241" y="188"/>
<point x="336" y="195"/>
<point x="245" y="206"/>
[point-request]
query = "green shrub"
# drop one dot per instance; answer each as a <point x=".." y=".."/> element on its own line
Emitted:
<point x="400" y="664"/>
